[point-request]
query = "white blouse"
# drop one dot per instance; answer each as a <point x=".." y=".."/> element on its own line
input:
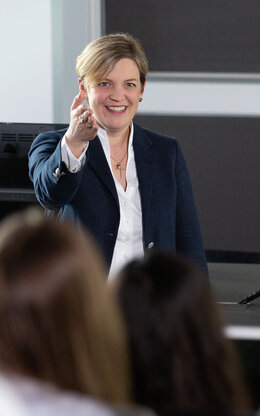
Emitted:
<point x="129" y="242"/>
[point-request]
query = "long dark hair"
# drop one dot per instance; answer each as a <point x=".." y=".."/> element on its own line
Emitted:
<point x="181" y="360"/>
<point x="59" y="322"/>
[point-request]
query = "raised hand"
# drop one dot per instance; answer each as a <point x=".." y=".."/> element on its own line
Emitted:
<point x="83" y="126"/>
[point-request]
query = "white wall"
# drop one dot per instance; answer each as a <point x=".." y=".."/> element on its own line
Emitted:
<point x="25" y="61"/>
<point x="74" y="24"/>
<point x="40" y="40"/>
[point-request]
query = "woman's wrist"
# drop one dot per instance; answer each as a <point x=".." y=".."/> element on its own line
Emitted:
<point x="77" y="148"/>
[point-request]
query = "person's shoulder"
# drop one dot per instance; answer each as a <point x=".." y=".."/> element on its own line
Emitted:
<point x="52" y="134"/>
<point x="41" y="398"/>
<point x="47" y="139"/>
<point x="10" y="401"/>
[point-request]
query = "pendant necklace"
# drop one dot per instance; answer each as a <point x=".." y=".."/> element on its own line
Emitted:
<point x="118" y="163"/>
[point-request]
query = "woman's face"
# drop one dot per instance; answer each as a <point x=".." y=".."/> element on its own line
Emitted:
<point x="114" y="100"/>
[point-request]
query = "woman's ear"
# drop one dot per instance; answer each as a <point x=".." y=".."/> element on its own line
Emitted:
<point x="142" y="91"/>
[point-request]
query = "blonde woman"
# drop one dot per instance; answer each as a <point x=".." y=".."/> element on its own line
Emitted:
<point x="127" y="185"/>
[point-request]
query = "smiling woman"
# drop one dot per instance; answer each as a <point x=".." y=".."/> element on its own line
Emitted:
<point x="115" y="100"/>
<point x="129" y="186"/>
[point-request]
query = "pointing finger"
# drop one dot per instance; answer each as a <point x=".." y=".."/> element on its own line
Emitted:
<point x="77" y="101"/>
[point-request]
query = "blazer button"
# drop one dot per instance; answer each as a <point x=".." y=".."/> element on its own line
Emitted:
<point x="56" y="172"/>
<point x="150" y="245"/>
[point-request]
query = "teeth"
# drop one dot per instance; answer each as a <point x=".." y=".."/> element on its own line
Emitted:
<point x="118" y="109"/>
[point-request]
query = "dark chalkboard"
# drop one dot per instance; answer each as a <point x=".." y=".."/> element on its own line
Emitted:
<point x="223" y="158"/>
<point x="189" y="35"/>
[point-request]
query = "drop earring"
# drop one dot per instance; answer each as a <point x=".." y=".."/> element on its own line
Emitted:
<point x="140" y="100"/>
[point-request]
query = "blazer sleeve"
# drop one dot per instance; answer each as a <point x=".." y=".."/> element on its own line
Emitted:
<point x="188" y="232"/>
<point x="54" y="185"/>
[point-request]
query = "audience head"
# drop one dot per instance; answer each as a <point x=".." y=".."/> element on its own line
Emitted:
<point x="59" y="322"/>
<point x="181" y="360"/>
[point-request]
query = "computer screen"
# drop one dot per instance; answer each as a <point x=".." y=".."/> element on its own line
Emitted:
<point x="16" y="188"/>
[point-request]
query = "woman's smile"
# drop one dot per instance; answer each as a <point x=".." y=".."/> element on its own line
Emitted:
<point x="119" y="109"/>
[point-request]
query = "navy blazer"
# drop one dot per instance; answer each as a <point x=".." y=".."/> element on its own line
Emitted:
<point x="89" y="197"/>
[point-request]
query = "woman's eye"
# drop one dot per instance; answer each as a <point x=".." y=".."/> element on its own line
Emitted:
<point x="104" y="84"/>
<point x="130" y="84"/>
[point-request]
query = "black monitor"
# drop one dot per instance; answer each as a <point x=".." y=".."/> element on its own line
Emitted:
<point x="16" y="189"/>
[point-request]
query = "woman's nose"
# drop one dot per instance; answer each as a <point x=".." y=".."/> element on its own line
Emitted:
<point x="116" y="94"/>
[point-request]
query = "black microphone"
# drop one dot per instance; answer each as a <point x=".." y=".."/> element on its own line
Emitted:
<point x="249" y="298"/>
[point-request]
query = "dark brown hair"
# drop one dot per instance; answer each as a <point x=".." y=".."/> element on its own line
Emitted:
<point x="182" y="361"/>
<point x="58" y="320"/>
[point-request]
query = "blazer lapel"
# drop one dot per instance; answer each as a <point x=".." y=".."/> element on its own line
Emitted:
<point x="143" y="150"/>
<point x="98" y="163"/>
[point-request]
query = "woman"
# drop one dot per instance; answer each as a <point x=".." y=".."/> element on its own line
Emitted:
<point x="127" y="185"/>
<point x="62" y="342"/>
<point x="181" y="360"/>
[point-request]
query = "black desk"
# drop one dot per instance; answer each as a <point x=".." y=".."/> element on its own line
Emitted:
<point x="231" y="283"/>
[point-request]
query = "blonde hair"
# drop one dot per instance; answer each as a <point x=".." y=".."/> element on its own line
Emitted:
<point x="59" y="321"/>
<point x="100" y="56"/>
